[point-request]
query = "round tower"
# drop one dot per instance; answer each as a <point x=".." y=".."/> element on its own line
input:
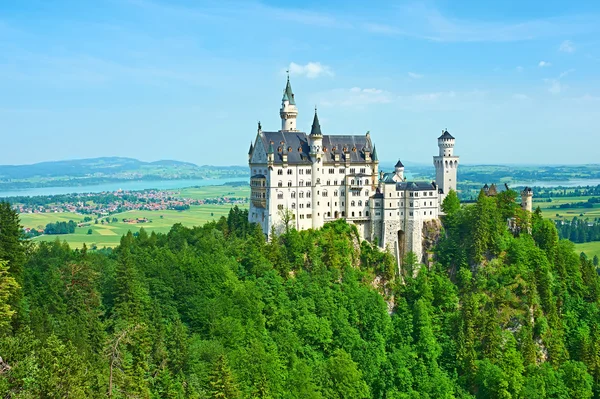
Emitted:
<point x="288" y="111"/>
<point x="316" y="155"/>
<point x="446" y="164"/>
<point x="527" y="199"/>
<point x="399" y="170"/>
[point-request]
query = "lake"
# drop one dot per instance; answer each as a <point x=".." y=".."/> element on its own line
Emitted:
<point x="128" y="186"/>
<point x="559" y="183"/>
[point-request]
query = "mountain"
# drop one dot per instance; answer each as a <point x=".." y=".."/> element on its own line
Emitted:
<point x="107" y="169"/>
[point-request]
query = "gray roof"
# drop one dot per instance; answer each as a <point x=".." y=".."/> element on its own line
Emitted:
<point x="399" y="164"/>
<point x="415" y="186"/>
<point x="388" y="178"/>
<point x="300" y="149"/>
<point x="288" y="94"/>
<point x="446" y="136"/>
<point x="316" y="126"/>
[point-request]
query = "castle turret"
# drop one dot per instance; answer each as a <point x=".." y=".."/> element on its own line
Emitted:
<point x="399" y="170"/>
<point x="288" y="111"/>
<point x="527" y="199"/>
<point x="446" y="165"/>
<point x="316" y="155"/>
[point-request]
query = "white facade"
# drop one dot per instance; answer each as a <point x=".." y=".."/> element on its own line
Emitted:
<point x="312" y="179"/>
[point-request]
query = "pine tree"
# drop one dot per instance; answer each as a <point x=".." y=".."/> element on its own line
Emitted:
<point x="221" y="382"/>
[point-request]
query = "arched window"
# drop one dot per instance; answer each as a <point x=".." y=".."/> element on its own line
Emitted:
<point x="325" y="193"/>
<point x="335" y="193"/>
<point x="352" y="181"/>
<point x="293" y="194"/>
<point x="308" y="194"/>
<point x="359" y="203"/>
<point x="307" y="184"/>
<point x="280" y="172"/>
<point x="279" y="195"/>
<point x="352" y="203"/>
<point x="359" y="213"/>
<point x="301" y="183"/>
<point x="290" y="183"/>
<point x="301" y="194"/>
<point x="293" y="205"/>
<point x="279" y="184"/>
<point x="367" y="182"/>
<point x="289" y="172"/>
<point x="352" y="214"/>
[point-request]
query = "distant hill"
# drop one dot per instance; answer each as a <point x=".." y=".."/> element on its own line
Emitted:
<point x="107" y="169"/>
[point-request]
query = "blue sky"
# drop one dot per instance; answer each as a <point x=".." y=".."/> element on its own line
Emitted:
<point x="513" y="81"/>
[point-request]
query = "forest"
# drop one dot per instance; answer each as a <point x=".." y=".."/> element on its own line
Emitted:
<point x="217" y="311"/>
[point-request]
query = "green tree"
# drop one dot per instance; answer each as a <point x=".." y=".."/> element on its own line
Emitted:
<point x="221" y="382"/>
<point x="8" y="287"/>
<point x="342" y="379"/>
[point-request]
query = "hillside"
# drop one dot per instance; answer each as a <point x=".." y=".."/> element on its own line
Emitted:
<point x="105" y="170"/>
<point x="216" y="311"/>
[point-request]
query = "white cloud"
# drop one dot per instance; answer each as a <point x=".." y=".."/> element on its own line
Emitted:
<point x="565" y="73"/>
<point x="521" y="97"/>
<point x="567" y="47"/>
<point x="355" y="97"/>
<point x="544" y="64"/>
<point x="554" y="86"/>
<point x="414" y="75"/>
<point x="311" y="70"/>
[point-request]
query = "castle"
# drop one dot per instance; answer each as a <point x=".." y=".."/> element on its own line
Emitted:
<point x="305" y="180"/>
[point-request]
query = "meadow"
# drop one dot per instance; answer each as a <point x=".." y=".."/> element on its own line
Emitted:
<point x="109" y="234"/>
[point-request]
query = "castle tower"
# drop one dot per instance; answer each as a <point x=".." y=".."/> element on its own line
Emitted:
<point x="446" y="165"/>
<point x="399" y="170"/>
<point x="316" y="155"/>
<point x="288" y="111"/>
<point x="527" y="199"/>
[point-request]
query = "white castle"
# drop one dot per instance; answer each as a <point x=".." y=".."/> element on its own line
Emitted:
<point x="311" y="179"/>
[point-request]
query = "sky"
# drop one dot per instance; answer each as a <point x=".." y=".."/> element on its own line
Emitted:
<point x="515" y="82"/>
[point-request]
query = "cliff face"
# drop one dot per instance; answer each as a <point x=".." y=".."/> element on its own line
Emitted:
<point x="429" y="238"/>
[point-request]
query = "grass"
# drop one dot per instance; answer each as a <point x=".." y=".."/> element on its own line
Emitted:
<point x="550" y="213"/>
<point x="109" y="235"/>
<point x="589" y="248"/>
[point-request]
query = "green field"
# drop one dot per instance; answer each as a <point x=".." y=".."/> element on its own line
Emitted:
<point x="589" y="248"/>
<point x="550" y="213"/>
<point x="109" y="234"/>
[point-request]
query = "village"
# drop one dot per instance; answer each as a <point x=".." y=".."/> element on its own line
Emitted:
<point x="108" y="203"/>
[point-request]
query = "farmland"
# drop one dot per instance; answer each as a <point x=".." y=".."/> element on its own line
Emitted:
<point x="108" y="234"/>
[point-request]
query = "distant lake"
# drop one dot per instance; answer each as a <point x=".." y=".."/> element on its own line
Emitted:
<point x="557" y="183"/>
<point x="127" y="186"/>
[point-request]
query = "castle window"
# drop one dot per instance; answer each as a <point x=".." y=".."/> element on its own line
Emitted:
<point x="329" y="182"/>
<point x="366" y="193"/>
<point x="301" y="205"/>
<point x="279" y="195"/>
<point x="289" y="172"/>
<point x="278" y="149"/>
<point x="362" y="170"/>
<point x="377" y="204"/>
<point x="335" y="183"/>
<point x="300" y="171"/>
<point x="353" y="149"/>
<point x="280" y="172"/>
<point x="410" y="213"/>
<point x="335" y="193"/>
<point x="352" y="214"/>
<point x="411" y="204"/>
<point x="352" y="203"/>
<point x="289" y="184"/>
<point x="279" y="184"/>
<point x="352" y="181"/>
<point x="359" y="213"/>
<point x="342" y="170"/>
<point x="308" y="205"/>
<point x="367" y="182"/>
<point x="343" y="203"/>
<point x="307" y="184"/>
<point x="299" y="149"/>
<point x="289" y="149"/>
<point x="302" y="216"/>
<point x="328" y="214"/>
<point x="359" y="203"/>
<point x="390" y="194"/>
<point x="280" y="206"/>
<point x="331" y="171"/>
<point x="293" y="194"/>
<point x="309" y="216"/>
<point x="377" y="213"/>
<point x="352" y="170"/>
<point x="343" y="193"/>
<point x="301" y="194"/>
<point x="308" y="194"/>
<point x="343" y="213"/>
<point x="293" y="205"/>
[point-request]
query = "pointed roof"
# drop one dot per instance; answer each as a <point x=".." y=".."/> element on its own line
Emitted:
<point x="446" y="135"/>
<point x="399" y="164"/>
<point x="251" y="148"/>
<point x="374" y="155"/>
<point x="271" y="149"/>
<point x="316" y="127"/>
<point x="288" y="94"/>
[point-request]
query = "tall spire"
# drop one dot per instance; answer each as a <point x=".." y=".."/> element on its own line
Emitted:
<point x="374" y="156"/>
<point x="288" y="94"/>
<point x="316" y="127"/>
